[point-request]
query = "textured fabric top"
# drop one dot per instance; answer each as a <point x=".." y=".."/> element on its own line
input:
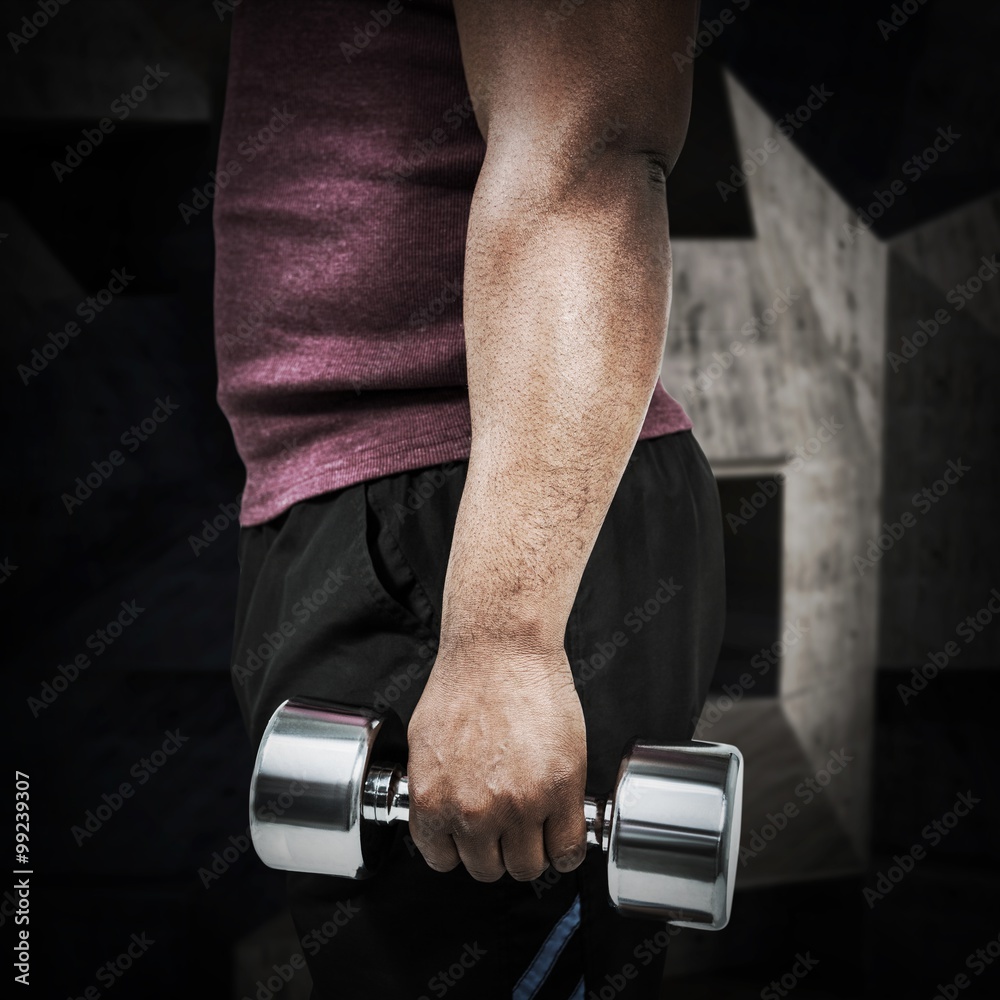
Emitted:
<point x="347" y="161"/>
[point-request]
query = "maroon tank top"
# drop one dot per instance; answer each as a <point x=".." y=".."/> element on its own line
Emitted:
<point x="348" y="157"/>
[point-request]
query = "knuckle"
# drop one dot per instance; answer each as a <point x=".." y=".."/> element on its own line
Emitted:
<point x="568" y="857"/>
<point x="424" y="824"/>
<point x="485" y="874"/>
<point x="424" y="844"/>
<point x="422" y="800"/>
<point x="525" y="874"/>
<point x="439" y="864"/>
<point x="471" y="818"/>
<point x="429" y="812"/>
<point x="565" y="781"/>
<point x="520" y="808"/>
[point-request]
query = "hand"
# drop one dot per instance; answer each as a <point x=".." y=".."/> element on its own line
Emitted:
<point x="497" y="765"/>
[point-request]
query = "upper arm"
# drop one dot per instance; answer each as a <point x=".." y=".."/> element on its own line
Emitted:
<point x="554" y="84"/>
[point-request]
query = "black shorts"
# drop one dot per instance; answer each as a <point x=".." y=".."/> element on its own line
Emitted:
<point x="340" y="598"/>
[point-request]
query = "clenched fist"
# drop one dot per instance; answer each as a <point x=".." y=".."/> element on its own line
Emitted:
<point x="497" y="765"/>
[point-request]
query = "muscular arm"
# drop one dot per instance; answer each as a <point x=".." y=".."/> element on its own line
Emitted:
<point x="567" y="289"/>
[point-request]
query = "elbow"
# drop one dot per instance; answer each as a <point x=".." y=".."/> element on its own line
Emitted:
<point x="591" y="156"/>
<point x="585" y="177"/>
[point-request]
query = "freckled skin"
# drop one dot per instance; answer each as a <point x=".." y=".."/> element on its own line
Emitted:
<point x="567" y="292"/>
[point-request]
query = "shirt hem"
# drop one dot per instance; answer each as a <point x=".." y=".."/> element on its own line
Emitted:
<point x="379" y="462"/>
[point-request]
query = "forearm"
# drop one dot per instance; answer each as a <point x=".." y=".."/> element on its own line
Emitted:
<point x="566" y="293"/>
<point x="566" y="301"/>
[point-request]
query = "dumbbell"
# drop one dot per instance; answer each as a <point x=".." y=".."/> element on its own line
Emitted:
<point x="325" y="792"/>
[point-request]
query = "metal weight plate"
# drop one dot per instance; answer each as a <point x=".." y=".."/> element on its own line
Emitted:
<point x="305" y="797"/>
<point x="674" y="837"/>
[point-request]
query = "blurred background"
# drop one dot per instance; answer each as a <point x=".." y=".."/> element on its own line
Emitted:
<point x="835" y="336"/>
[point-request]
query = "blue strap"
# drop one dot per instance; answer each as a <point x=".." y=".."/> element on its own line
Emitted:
<point x="542" y="964"/>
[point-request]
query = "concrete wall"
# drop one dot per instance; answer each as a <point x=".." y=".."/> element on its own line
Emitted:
<point x="815" y="367"/>
<point x="942" y="406"/>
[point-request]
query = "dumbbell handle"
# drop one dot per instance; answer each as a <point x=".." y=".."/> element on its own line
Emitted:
<point x="386" y="799"/>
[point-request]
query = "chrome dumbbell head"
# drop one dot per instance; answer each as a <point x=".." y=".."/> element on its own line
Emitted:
<point x="319" y="755"/>
<point x="670" y="829"/>
<point x="673" y="833"/>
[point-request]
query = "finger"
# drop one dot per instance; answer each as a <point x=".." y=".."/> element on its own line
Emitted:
<point x="435" y="845"/>
<point x="566" y="839"/>
<point x="481" y="856"/>
<point x="439" y="853"/>
<point x="523" y="852"/>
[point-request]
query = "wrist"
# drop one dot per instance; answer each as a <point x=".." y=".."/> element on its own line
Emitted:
<point x="492" y="605"/>
<point x="517" y="636"/>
